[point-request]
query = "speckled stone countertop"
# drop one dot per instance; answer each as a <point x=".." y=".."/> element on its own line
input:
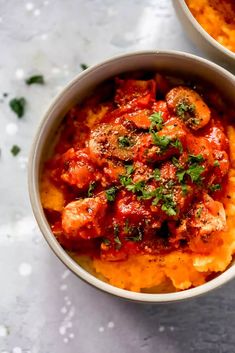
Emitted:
<point x="43" y="307"/>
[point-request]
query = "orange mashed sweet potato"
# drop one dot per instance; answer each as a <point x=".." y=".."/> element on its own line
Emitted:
<point x="217" y="17"/>
<point x="140" y="188"/>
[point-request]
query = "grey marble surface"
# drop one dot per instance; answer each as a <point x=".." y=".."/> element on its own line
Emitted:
<point x="43" y="307"/>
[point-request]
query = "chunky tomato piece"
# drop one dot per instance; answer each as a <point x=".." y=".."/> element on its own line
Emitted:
<point x="84" y="218"/>
<point x="135" y="92"/>
<point x="78" y="169"/>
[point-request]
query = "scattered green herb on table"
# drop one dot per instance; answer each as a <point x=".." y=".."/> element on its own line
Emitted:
<point x="17" y="105"/>
<point x="15" y="150"/>
<point x="36" y="79"/>
<point x="84" y="66"/>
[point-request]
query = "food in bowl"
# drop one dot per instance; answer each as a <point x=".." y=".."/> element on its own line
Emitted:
<point x="139" y="188"/>
<point x="217" y="17"/>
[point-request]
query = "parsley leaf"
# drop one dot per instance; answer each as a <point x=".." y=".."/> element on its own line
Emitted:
<point x="136" y="234"/>
<point x="180" y="175"/>
<point x="106" y="241"/>
<point x="124" y="141"/>
<point x="83" y="66"/>
<point x="111" y="193"/>
<point x="183" y="108"/>
<point x="199" y="212"/>
<point x="215" y="187"/>
<point x="163" y="194"/>
<point x="157" y="174"/>
<point x="156" y="121"/>
<point x="127" y="228"/>
<point x="161" y="141"/>
<point x="116" y="236"/>
<point x="125" y="180"/>
<point x="38" y="79"/>
<point x="184" y="189"/>
<point x="216" y="163"/>
<point x="176" y="162"/>
<point x="136" y="187"/>
<point x="116" y="229"/>
<point x="15" y="150"/>
<point x="195" y="158"/>
<point x="169" y="209"/>
<point x="168" y="204"/>
<point x="91" y="188"/>
<point x="177" y="144"/>
<point x="195" y="171"/>
<point x="17" y="105"/>
<point x="129" y="169"/>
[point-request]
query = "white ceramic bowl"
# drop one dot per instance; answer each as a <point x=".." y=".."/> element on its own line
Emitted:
<point x="201" y="38"/>
<point x="171" y="62"/>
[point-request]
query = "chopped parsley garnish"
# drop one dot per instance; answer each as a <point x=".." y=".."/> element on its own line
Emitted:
<point x="177" y="144"/>
<point x="169" y="209"/>
<point x="183" y="108"/>
<point x="161" y="194"/>
<point x="124" y="141"/>
<point x="15" y="150"/>
<point x="216" y="163"/>
<point x="111" y="193"/>
<point x="180" y="175"/>
<point x="157" y="174"/>
<point x="127" y="228"/>
<point x="199" y="212"/>
<point x="168" y="204"/>
<point x="116" y="236"/>
<point x="17" y="105"/>
<point x="215" y="187"/>
<point x="195" y="171"/>
<point x="176" y="162"/>
<point x="136" y="234"/>
<point x="129" y="169"/>
<point x="106" y="241"/>
<point x="170" y="184"/>
<point x="125" y="180"/>
<point x="117" y="242"/>
<point x="37" y="79"/>
<point x="156" y="121"/>
<point x="83" y="66"/>
<point x="162" y="142"/>
<point x="136" y="187"/>
<point x="195" y="159"/>
<point x="91" y="189"/>
<point x="116" y="229"/>
<point x="184" y="189"/>
<point x="187" y="112"/>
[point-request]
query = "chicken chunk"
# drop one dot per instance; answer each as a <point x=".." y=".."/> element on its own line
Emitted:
<point x="205" y="218"/>
<point x="77" y="169"/>
<point x="84" y="218"/>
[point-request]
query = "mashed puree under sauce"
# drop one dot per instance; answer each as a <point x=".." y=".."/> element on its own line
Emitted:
<point x="141" y="183"/>
<point x="217" y="17"/>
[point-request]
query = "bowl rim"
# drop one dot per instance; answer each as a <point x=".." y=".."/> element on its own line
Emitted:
<point x="34" y="159"/>
<point x="222" y="49"/>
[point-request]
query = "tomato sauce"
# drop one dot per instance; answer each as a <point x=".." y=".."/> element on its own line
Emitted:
<point x="141" y="165"/>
